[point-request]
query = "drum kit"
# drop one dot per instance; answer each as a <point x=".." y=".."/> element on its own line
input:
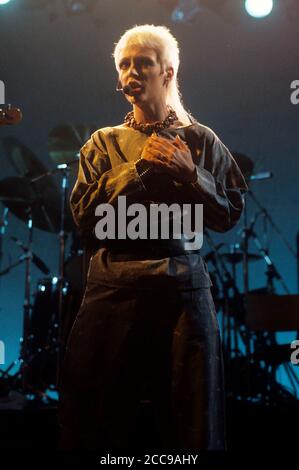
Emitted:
<point x="251" y="351"/>
<point x="252" y="354"/>
<point x="36" y="199"/>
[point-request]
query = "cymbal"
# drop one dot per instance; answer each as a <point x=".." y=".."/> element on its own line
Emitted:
<point x="42" y="197"/>
<point x="66" y="140"/>
<point x="237" y="257"/>
<point x="24" y="161"/>
<point x="245" y="163"/>
<point x="64" y="143"/>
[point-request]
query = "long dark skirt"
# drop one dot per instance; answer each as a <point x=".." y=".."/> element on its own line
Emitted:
<point x="143" y="368"/>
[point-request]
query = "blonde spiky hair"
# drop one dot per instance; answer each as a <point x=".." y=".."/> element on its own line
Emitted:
<point x="166" y="47"/>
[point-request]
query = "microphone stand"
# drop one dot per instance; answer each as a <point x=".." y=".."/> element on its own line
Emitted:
<point x="65" y="169"/>
<point x="245" y="237"/>
<point x="228" y="283"/>
<point x="61" y="281"/>
<point x="271" y="269"/>
<point x="272" y="223"/>
<point x="271" y="273"/>
<point x="27" y="304"/>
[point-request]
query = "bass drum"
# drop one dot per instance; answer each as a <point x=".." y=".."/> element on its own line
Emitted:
<point x="47" y="332"/>
<point x="43" y="338"/>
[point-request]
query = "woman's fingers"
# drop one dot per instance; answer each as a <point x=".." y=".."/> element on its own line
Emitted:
<point x="166" y="155"/>
<point x="159" y="161"/>
<point x="167" y="145"/>
<point x="181" y="143"/>
<point x="151" y="155"/>
<point x="161" y="145"/>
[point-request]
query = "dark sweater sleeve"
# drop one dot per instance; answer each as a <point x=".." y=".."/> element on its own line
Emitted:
<point x="99" y="183"/>
<point x="219" y="187"/>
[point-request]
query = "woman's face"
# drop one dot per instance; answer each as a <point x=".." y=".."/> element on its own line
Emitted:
<point x="139" y="68"/>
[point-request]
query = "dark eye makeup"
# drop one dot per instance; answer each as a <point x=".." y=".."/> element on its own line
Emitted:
<point x="140" y="61"/>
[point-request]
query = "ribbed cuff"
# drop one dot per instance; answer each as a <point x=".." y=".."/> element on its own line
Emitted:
<point x="144" y="170"/>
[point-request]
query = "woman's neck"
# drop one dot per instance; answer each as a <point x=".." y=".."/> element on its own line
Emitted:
<point x="150" y="113"/>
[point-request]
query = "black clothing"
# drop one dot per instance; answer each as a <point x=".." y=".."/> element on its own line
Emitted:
<point x="147" y="330"/>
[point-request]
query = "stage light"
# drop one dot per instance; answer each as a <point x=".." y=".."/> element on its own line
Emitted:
<point x="185" y="11"/>
<point x="259" y="8"/>
<point x="3" y="2"/>
<point x="76" y="7"/>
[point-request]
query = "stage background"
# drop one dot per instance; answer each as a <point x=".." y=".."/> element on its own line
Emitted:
<point x="235" y="77"/>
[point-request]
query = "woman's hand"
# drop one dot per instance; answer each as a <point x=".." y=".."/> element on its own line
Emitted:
<point x="171" y="156"/>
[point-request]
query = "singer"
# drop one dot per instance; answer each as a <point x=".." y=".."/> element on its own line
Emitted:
<point x="143" y="365"/>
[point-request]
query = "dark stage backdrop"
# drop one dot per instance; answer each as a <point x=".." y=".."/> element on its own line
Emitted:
<point x="235" y="77"/>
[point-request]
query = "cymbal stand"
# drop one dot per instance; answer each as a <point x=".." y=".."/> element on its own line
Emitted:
<point x="272" y="223"/>
<point x="272" y="273"/>
<point x="41" y="202"/>
<point x="63" y="168"/>
<point x="236" y="295"/>
<point x="27" y="303"/>
<point x="3" y="225"/>
<point x="62" y="233"/>
<point x="62" y="238"/>
<point x="247" y="336"/>
<point x="55" y="333"/>
<point x="227" y="283"/>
